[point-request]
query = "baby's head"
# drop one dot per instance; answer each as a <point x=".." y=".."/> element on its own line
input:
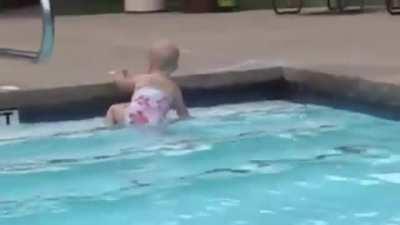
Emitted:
<point x="164" y="57"/>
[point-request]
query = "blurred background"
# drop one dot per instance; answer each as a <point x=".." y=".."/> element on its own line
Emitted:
<point x="76" y="7"/>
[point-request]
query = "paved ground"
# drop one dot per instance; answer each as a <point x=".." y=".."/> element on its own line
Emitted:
<point x="87" y="47"/>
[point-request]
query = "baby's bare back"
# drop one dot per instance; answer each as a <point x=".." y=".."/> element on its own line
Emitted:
<point x="157" y="81"/>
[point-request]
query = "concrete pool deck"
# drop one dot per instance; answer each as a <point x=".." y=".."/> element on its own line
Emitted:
<point x="360" y="45"/>
<point x="311" y="48"/>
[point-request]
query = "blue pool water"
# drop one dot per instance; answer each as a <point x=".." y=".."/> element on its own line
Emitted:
<point x="256" y="163"/>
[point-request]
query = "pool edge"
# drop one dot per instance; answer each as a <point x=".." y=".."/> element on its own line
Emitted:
<point x="298" y="85"/>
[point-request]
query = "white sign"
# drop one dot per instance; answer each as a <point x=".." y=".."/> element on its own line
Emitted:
<point x="9" y="117"/>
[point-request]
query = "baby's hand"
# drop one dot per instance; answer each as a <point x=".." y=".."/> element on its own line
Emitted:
<point x="123" y="80"/>
<point x="119" y="75"/>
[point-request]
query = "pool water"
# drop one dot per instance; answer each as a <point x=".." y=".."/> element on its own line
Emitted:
<point x="257" y="163"/>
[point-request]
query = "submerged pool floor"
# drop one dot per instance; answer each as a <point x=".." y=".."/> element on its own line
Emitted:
<point x="258" y="163"/>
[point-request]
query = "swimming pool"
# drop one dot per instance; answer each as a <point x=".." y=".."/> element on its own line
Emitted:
<point x="268" y="162"/>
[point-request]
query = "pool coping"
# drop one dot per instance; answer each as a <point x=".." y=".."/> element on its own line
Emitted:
<point x="294" y="84"/>
<point x="347" y="92"/>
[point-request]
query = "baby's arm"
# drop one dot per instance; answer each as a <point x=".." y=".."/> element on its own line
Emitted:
<point x="180" y="106"/>
<point x="124" y="81"/>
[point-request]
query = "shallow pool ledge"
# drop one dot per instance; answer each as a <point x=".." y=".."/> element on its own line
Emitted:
<point x="345" y="91"/>
<point x="68" y="103"/>
<point x="298" y="85"/>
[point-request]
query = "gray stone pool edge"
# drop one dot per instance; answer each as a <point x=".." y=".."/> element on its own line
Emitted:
<point x="344" y="91"/>
<point x="300" y="85"/>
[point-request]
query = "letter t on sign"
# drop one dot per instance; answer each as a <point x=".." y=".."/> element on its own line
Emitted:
<point x="9" y="117"/>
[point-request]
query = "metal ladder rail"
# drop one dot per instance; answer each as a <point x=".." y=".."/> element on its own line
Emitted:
<point x="47" y="45"/>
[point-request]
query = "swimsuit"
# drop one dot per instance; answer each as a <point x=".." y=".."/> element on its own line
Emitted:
<point x="149" y="106"/>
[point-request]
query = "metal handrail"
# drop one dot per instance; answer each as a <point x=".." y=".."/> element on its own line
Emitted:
<point x="47" y="45"/>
